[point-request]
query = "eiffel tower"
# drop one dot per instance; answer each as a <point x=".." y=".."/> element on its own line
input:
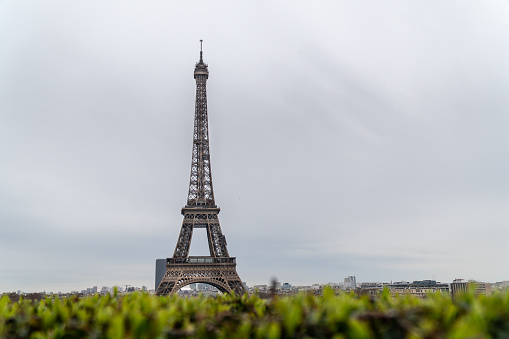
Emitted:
<point x="218" y="269"/>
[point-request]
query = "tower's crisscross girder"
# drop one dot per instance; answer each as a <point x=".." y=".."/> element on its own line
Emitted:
<point x="201" y="192"/>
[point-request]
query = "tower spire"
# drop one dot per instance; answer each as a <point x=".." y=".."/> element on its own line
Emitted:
<point x="201" y="50"/>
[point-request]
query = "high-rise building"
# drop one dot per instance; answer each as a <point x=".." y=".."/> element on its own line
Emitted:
<point x="350" y="283"/>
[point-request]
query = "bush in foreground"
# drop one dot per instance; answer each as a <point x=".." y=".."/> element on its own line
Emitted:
<point x="301" y="316"/>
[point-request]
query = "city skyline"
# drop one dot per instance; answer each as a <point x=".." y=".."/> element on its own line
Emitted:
<point x="362" y="139"/>
<point x="349" y="283"/>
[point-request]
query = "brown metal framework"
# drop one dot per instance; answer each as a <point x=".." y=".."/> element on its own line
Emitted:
<point x="219" y="269"/>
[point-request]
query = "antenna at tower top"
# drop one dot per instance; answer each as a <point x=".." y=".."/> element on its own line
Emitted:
<point x="201" y="50"/>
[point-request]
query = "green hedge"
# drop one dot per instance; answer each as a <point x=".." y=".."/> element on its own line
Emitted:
<point x="301" y="316"/>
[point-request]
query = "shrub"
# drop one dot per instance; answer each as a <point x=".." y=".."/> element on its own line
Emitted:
<point x="228" y="316"/>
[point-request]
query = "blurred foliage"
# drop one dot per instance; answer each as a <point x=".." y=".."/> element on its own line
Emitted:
<point x="228" y="316"/>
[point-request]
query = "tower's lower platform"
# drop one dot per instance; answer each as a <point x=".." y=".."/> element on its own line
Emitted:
<point x="218" y="272"/>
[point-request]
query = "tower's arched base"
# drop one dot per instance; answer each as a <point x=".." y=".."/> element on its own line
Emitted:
<point x="221" y="275"/>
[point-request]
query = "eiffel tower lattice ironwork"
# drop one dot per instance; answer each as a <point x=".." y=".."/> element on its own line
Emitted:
<point x="218" y="269"/>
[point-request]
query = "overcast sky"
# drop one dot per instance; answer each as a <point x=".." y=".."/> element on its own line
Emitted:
<point x="365" y="138"/>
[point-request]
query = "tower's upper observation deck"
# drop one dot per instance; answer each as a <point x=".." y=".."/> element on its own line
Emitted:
<point x="201" y="67"/>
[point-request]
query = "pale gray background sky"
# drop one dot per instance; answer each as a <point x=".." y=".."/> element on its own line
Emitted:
<point x="365" y="138"/>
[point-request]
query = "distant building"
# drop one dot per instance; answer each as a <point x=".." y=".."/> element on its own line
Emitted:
<point x="418" y="288"/>
<point x="482" y="288"/>
<point x="500" y="285"/>
<point x="302" y="288"/>
<point x="372" y="288"/>
<point x="459" y="286"/>
<point x="331" y="285"/>
<point x="370" y="285"/>
<point x="462" y="286"/>
<point x="206" y="287"/>
<point x="260" y="288"/>
<point x="350" y="283"/>
<point x="160" y="271"/>
<point x="286" y="286"/>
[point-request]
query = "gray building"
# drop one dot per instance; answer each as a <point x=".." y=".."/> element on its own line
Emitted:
<point x="160" y="271"/>
<point x="350" y="283"/>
